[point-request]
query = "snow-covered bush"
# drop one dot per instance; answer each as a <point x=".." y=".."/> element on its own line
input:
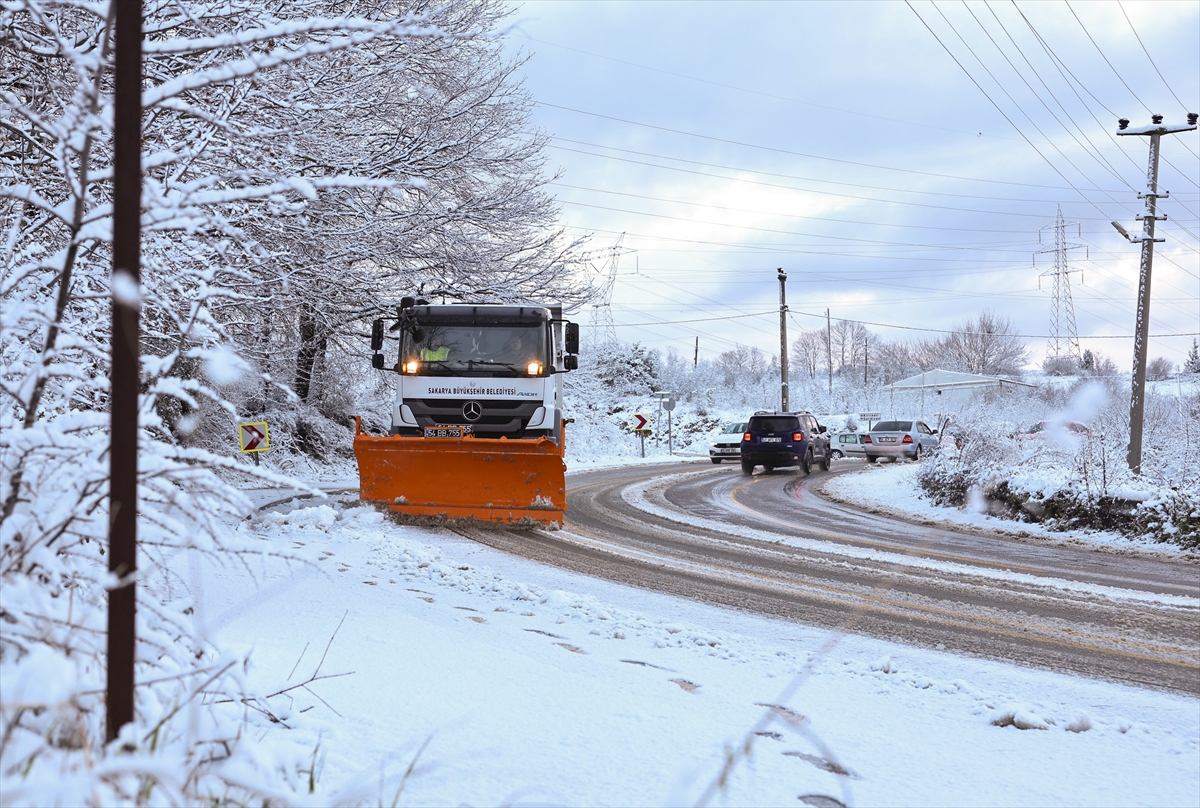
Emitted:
<point x="1074" y="479"/>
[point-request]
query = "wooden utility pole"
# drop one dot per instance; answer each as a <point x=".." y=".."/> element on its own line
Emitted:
<point x="1141" y="333"/>
<point x="829" y="346"/>
<point x="126" y="284"/>
<point x="783" y="352"/>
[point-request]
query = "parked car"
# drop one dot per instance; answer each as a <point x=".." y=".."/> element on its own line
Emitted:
<point x="779" y="439"/>
<point x="847" y="444"/>
<point x="896" y="439"/>
<point x="728" y="445"/>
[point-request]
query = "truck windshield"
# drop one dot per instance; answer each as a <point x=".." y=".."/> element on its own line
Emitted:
<point x="507" y="349"/>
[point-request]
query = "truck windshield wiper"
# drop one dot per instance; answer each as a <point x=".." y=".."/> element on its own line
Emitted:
<point x="444" y="364"/>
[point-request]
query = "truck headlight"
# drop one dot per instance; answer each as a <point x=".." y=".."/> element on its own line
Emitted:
<point x="411" y="366"/>
<point x="534" y="369"/>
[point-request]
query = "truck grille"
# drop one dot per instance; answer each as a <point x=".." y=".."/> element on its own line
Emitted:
<point x="500" y="416"/>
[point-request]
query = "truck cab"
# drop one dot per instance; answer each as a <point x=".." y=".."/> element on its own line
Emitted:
<point x="493" y="370"/>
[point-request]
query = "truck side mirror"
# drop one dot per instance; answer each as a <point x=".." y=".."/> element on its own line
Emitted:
<point x="571" y="362"/>
<point x="376" y="335"/>
<point x="572" y="338"/>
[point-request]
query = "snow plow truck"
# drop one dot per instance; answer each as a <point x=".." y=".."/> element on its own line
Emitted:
<point x="477" y="429"/>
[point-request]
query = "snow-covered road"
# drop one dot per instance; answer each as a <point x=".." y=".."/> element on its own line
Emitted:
<point x="768" y="545"/>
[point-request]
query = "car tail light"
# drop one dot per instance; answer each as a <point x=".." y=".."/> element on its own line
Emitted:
<point x="866" y="438"/>
<point x="907" y="439"/>
<point x="746" y="436"/>
<point x="798" y="436"/>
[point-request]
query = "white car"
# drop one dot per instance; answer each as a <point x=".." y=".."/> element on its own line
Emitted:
<point x="728" y="445"/>
<point x="848" y="444"/>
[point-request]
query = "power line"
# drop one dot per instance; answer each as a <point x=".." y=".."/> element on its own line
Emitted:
<point x="1105" y="58"/>
<point x="794" y="216"/>
<point x="1182" y="105"/>
<point x="1098" y="156"/>
<point x="804" y="154"/>
<point x="804" y="179"/>
<point x="1053" y="167"/>
<point x="751" y="91"/>
<point x="1103" y="217"/>
<point x="822" y="316"/>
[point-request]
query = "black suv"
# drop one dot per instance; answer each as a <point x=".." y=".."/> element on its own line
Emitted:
<point x="776" y="439"/>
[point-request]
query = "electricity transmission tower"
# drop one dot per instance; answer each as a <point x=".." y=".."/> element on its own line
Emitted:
<point x="1064" y="336"/>
<point x="602" y="322"/>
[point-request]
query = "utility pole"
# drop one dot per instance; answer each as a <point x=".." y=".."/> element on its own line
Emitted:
<point x="829" y="345"/>
<point x="783" y="353"/>
<point x="696" y="356"/>
<point x="126" y="309"/>
<point x="866" y="346"/>
<point x="1137" y="399"/>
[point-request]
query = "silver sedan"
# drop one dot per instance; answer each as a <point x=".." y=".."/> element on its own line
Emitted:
<point x="896" y="439"/>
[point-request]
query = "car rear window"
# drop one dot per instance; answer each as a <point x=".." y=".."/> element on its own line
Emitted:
<point x="892" y="426"/>
<point x="777" y="424"/>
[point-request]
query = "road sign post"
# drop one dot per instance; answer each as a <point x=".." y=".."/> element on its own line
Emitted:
<point x="666" y="401"/>
<point x="641" y="427"/>
<point x="869" y="417"/>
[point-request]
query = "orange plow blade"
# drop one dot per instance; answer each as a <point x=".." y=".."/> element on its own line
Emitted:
<point x="493" y="480"/>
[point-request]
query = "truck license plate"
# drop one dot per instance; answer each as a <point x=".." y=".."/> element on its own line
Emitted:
<point x="447" y="431"/>
<point x="772" y="440"/>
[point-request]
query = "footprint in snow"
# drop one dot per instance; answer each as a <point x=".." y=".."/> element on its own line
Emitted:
<point x="821" y="800"/>
<point x="543" y="633"/>
<point x="690" y="687"/>
<point x="571" y="648"/>
<point x="823" y="764"/>
<point x="645" y="664"/>
<point x="774" y="736"/>
<point x="476" y="619"/>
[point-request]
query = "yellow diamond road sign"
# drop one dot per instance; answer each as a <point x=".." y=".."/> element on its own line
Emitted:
<point x="254" y="437"/>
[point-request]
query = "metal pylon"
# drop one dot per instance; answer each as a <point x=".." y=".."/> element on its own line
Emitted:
<point x="1064" y="336"/>
<point x="603" y="330"/>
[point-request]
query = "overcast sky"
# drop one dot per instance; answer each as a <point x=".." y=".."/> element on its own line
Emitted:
<point x="841" y="142"/>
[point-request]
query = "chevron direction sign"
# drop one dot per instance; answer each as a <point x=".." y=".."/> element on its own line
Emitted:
<point x="640" y="423"/>
<point x="254" y="436"/>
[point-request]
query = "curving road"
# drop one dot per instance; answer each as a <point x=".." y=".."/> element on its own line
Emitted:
<point x="772" y="544"/>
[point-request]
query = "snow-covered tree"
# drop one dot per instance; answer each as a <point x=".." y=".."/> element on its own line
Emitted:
<point x="265" y="183"/>
<point x="1192" y="363"/>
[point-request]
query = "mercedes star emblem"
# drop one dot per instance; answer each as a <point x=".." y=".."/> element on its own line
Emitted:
<point x="472" y="410"/>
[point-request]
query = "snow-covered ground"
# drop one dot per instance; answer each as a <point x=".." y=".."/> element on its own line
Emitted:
<point x="527" y="685"/>
<point x="892" y="488"/>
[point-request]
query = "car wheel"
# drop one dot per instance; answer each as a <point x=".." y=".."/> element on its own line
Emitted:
<point x="837" y="455"/>
<point x="806" y="463"/>
<point x="716" y="461"/>
<point x="747" y="468"/>
<point x="917" y="454"/>
<point x="871" y="458"/>
<point x="825" y="462"/>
